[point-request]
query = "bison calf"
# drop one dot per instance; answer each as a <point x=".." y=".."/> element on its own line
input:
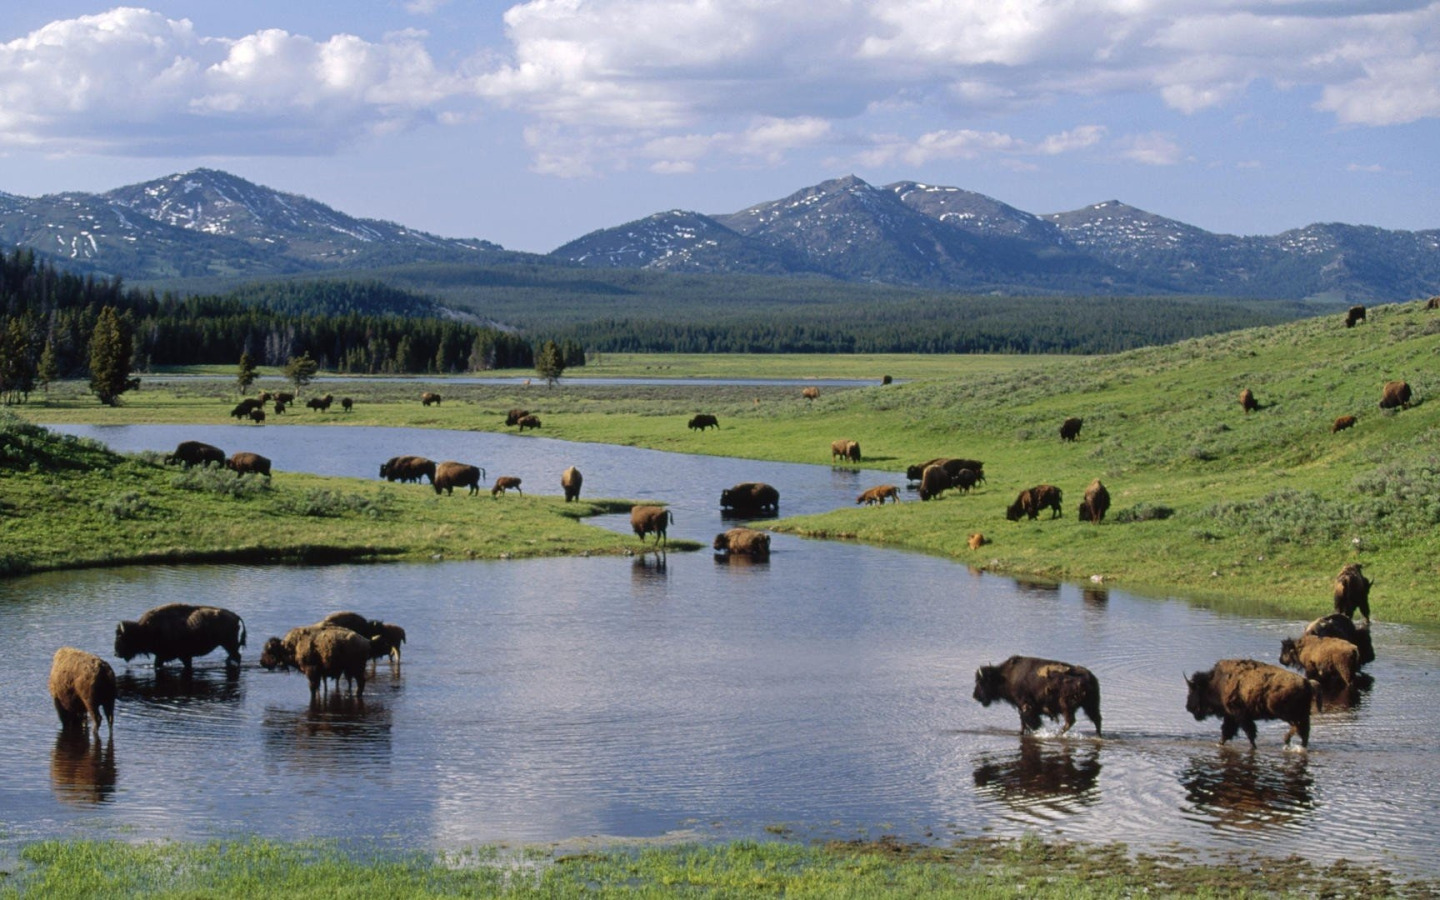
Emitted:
<point x="1040" y="687"/>
<point x="1342" y="423"/>
<point x="1240" y="691"/>
<point x="879" y="494"/>
<point x="506" y="483"/>
<point x="82" y="684"/>
<point x="1328" y="660"/>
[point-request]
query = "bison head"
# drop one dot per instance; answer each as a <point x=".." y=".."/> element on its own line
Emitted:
<point x="1197" y="703"/>
<point x="129" y="642"/>
<point x="1289" y="653"/>
<point x="273" y="655"/>
<point x="722" y="541"/>
<point x="989" y="685"/>
<point x="1014" y="511"/>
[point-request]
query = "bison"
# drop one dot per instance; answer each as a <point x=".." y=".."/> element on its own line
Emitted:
<point x="750" y="497"/>
<point x="976" y="541"/>
<point x="321" y="404"/>
<point x="528" y="422"/>
<point x="879" y="494"/>
<point x="514" y="416"/>
<point x="570" y="482"/>
<point x="951" y="465"/>
<point x="964" y="479"/>
<point x="257" y="416"/>
<point x="506" y="483"/>
<point x="181" y="631"/>
<point x="1070" y="428"/>
<point x="243" y="409"/>
<point x="284" y="397"/>
<point x="1344" y="627"/>
<point x="1352" y="591"/>
<point x="1328" y="660"/>
<point x="245" y="462"/>
<point x="347" y="404"/>
<point x="645" y="519"/>
<point x="1342" y="423"/>
<point x="407" y="469"/>
<point x="450" y="474"/>
<point x="279" y="407"/>
<point x="702" y="421"/>
<point x="1240" y="691"/>
<point x="429" y="397"/>
<point x="82" y="684"/>
<point x="810" y="393"/>
<point x="1395" y="393"/>
<point x="744" y="542"/>
<point x="385" y="638"/>
<point x="1247" y="400"/>
<point x="1095" y="503"/>
<point x="1433" y="303"/>
<point x="846" y="450"/>
<point x="321" y="652"/>
<point x="1353" y="315"/>
<point x="934" y="482"/>
<point x="1040" y="687"/>
<point x="195" y="453"/>
<point x="1032" y="500"/>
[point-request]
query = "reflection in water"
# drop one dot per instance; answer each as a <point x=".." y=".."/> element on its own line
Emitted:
<point x="82" y="771"/>
<point x="1042" y="776"/>
<point x="200" y="686"/>
<point x="1241" y="789"/>
<point x="1047" y="590"/>
<point x="1344" y="696"/>
<point x="741" y="560"/>
<point x="1095" y="597"/>
<point x="649" y="566"/>
<point x="333" y="736"/>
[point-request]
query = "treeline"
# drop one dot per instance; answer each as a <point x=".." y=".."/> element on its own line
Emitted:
<point x="49" y="318"/>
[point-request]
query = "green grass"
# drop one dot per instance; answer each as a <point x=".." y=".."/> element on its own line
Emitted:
<point x="1028" y="867"/>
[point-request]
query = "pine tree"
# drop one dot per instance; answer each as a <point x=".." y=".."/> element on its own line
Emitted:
<point x="300" y="369"/>
<point x="49" y="371"/>
<point x="110" y="350"/>
<point x="17" y="363"/>
<point x="550" y="363"/>
<point x="246" y="374"/>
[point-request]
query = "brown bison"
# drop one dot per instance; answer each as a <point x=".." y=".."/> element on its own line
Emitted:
<point x="750" y="497"/>
<point x="810" y="393"/>
<point x="1352" y="591"/>
<point x="976" y="541"/>
<point x="528" y="422"/>
<point x="257" y="416"/>
<point x="429" y="397"/>
<point x="385" y="638"/>
<point x="347" y="404"/>
<point x="1040" y="687"/>
<point x="570" y="482"/>
<point x="181" y="631"/>
<point x="1095" y="504"/>
<point x="284" y="397"/>
<point x="1353" y="315"/>
<point x="744" y="542"/>
<point x="246" y="462"/>
<point x="934" y="482"/>
<point x="1032" y="500"/>
<point x="1070" y="428"/>
<point x="1328" y="660"/>
<point x="407" y="469"/>
<point x="82" y="684"/>
<point x="1247" y="401"/>
<point x="1344" y="627"/>
<point x="243" y="409"/>
<point x="1240" y="691"/>
<point x="1433" y="303"/>
<point x="879" y="494"/>
<point x="951" y="465"/>
<point x="506" y="483"/>
<point x="1342" y="423"/>
<point x="645" y="519"/>
<point x="321" y="652"/>
<point x="702" y="421"/>
<point x="450" y="474"/>
<point x="320" y="403"/>
<point x="514" y="416"/>
<point x="845" y="450"/>
<point x="1395" y="393"/>
<point x="195" y="453"/>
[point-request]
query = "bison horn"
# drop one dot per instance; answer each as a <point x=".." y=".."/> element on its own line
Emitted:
<point x="1188" y="682"/>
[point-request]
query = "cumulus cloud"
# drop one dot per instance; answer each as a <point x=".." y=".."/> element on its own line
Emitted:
<point x="972" y="144"/>
<point x="1151" y="149"/>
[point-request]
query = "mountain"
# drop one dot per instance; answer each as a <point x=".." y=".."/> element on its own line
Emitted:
<point x="210" y="223"/>
<point x="677" y="241"/>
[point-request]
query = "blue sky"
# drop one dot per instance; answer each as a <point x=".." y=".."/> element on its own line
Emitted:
<point x="530" y="124"/>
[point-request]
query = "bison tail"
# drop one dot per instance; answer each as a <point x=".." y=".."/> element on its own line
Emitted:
<point x="242" y="632"/>
<point x="1315" y="693"/>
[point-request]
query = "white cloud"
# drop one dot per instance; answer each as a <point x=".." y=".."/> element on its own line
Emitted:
<point x="1360" y="167"/>
<point x="971" y="144"/>
<point x="1151" y="149"/>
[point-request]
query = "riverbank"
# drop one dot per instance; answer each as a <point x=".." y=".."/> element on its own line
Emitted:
<point x="982" y="868"/>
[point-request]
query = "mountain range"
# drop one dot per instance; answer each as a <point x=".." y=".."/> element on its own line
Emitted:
<point x="208" y="224"/>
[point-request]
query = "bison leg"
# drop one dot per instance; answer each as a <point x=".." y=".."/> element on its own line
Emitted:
<point x="1092" y="710"/>
<point x="1302" y="729"/>
<point x="1069" y="720"/>
<point x="1228" y="728"/>
<point x="67" y="720"/>
<point x="1029" y="719"/>
<point x="1249" y="726"/>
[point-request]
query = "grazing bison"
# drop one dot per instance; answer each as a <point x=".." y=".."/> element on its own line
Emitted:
<point x="407" y="469"/>
<point x="750" y="497"/>
<point x="246" y="462"/>
<point x="243" y="409"/>
<point x="195" y="453"/>
<point x="450" y="474"/>
<point x="1352" y="591"/>
<point x="1032" y="500"/>
<point x="570" y="482"/>
<point x="744" y="542"/>
<point x="1040" y="687"/>
<point x="1095" y="504"/>
<point x="506" y="483"/>
<point x="347" y="404"/>
<point x="181" y="631"/>
<point x="934" y="482"/>
<point x="257" y="416"/>
<point x="1395" y="393"/>
<point x="964" y="479"/>
<point x="279" y="407"/>
<point x="1433" y="303"/>
<point x="951" y="465"/>
<point x="1329" y="660"/>
<point x="976" y="541"/>
<point x="284" y="397"/>
<point x="1247" y="400"/>
<point x="528" y="422"/>
<point x="1070" y="428"/>
<point x="702" y="421"/>
<point x="514" y="416"/>
<point x="645" y="519"/>
<point x="845" y="450"/>
<point x="429" y="397"/>
<point x="879" y="494"/>
<point x="1344" y="627"/>
<point x="320" y="403"/>
<point x="82" y="684"/>
<point x="1353" y="315"/>
<point x="810" y="393"/>
<point x="385" y="638"/>
<point x="1342" y="423"/>
<point x="1240" y="691"/>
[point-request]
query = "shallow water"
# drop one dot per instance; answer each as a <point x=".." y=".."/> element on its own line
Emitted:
<point x="826" y="691"/>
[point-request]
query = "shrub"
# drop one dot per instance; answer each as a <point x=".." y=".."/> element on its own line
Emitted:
<point x="1143" y="512"/>
<point x="219" y="480"/>
<point x="129" y="505"/>
<point x="325" y="503"/>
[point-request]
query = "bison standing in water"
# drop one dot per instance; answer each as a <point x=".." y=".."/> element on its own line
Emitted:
<point x="879" y="494"/>
<point x="1328" y="660"/>
<point x="1337" y="626"/>
<point x="1040" y="687"/>
<point x="1240" y="691"/>
<point x="1095" y="504"/>
<point x="1032" y="500"/>
<point x="82" y="684"/>
<point x="181" y="631"/>
<point x="570" y="482"/>
<point x="744" y="542"/>
<point x="750" y="498"/>
<point x="645" y="519"/>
